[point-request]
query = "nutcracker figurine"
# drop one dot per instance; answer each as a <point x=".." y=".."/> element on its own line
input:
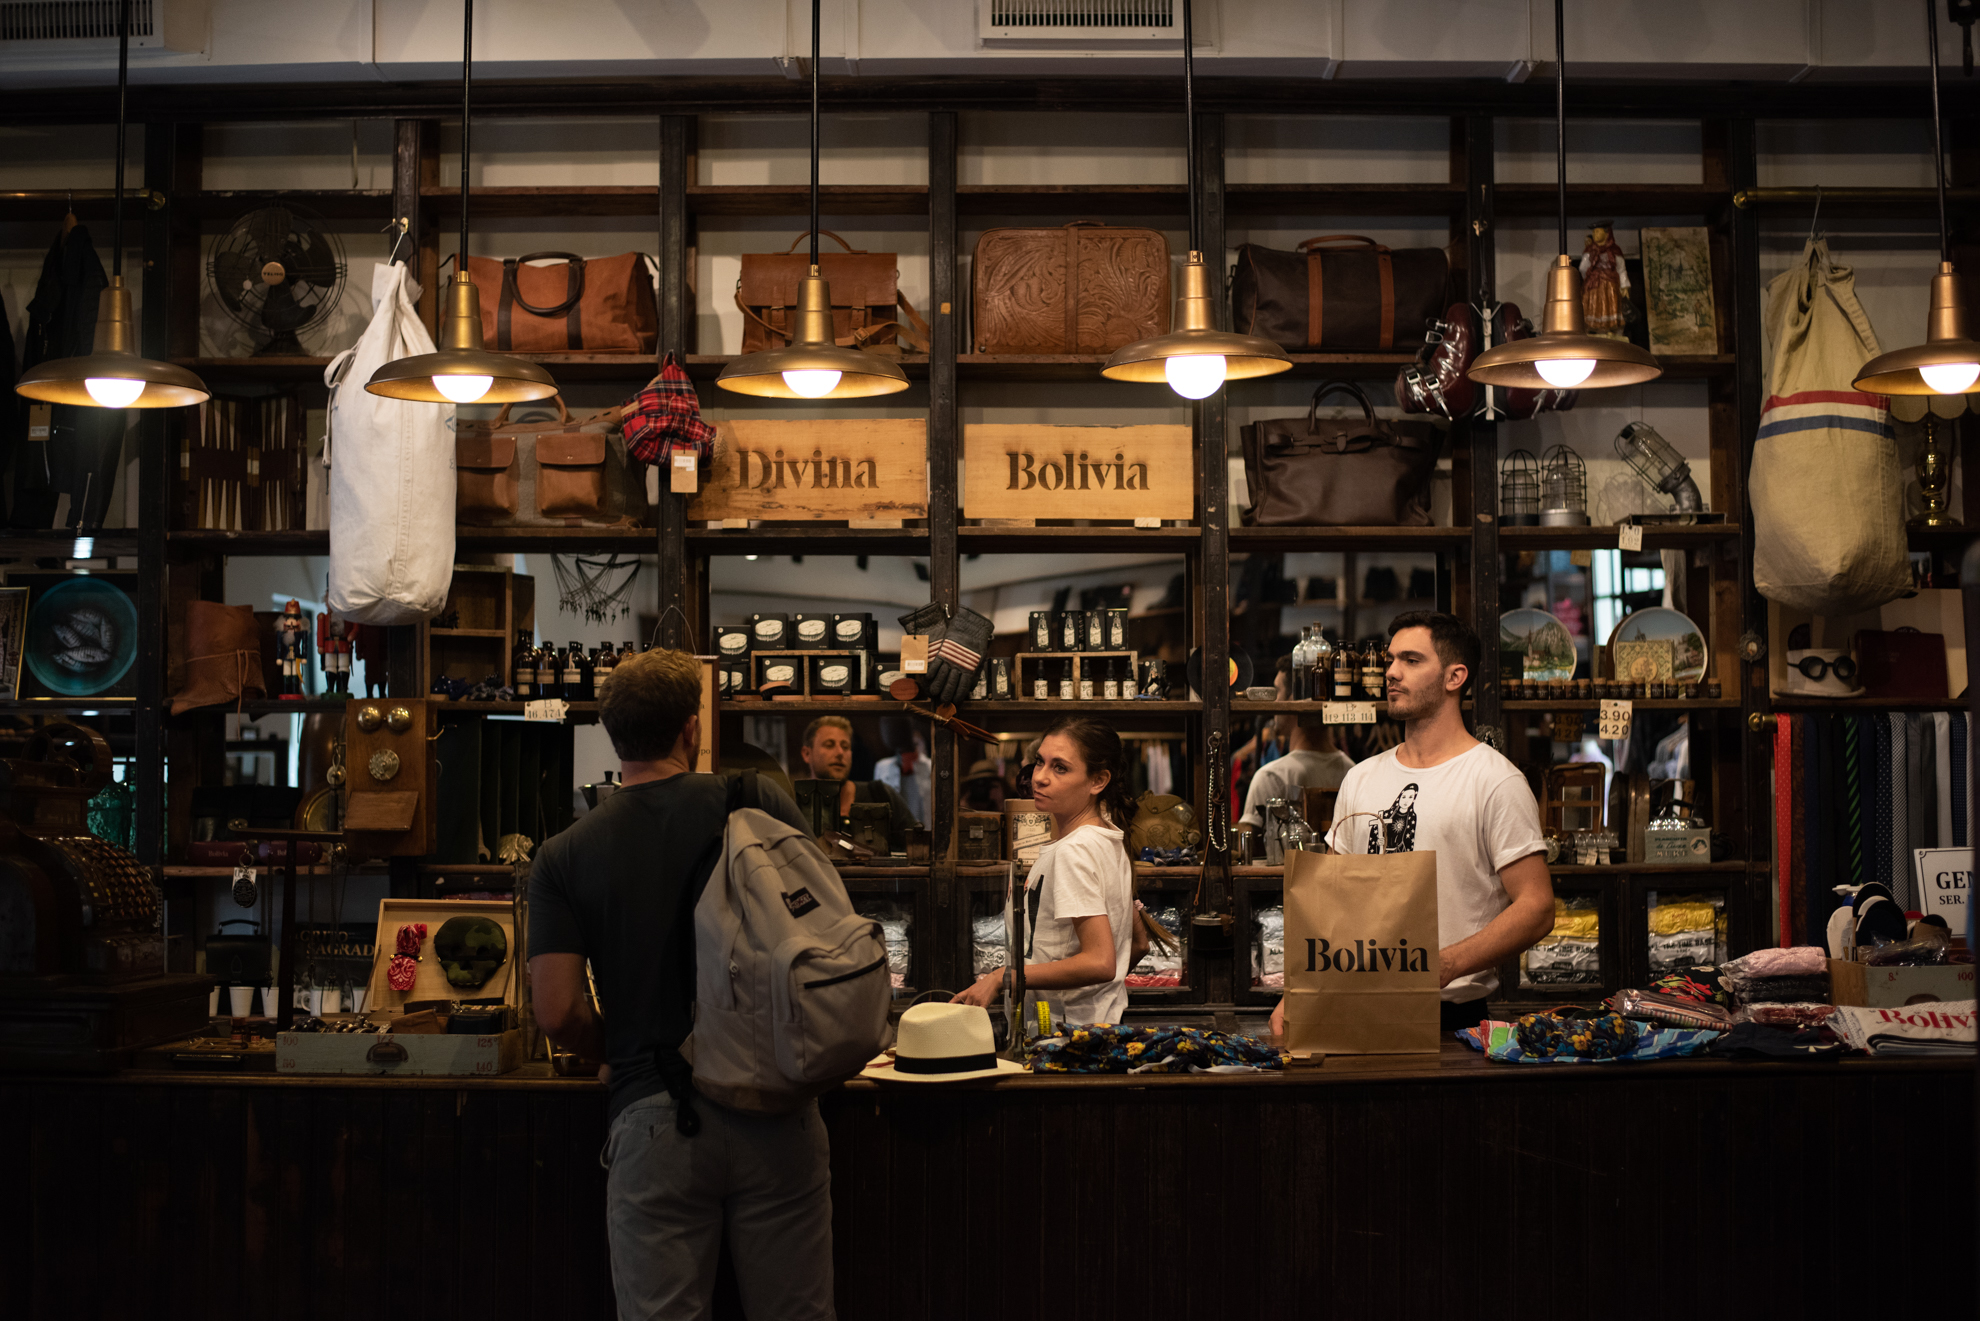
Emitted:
<point x="335" y="640"/>
<point x="1605" y="282"/>
<point x="291" y="645"/>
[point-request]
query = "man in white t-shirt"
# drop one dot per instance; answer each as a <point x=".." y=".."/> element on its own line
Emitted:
<point x="1311" y="761"/>
<point x="1443" y="790"/>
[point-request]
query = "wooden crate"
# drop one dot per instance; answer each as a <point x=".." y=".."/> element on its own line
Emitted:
<point x="862" y="471"/>
<point x="495" y="604"/>
<point x="1019" y="474"/>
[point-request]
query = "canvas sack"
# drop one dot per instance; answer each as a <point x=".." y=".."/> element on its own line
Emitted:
<point x="1361" y="953"/>
<point x="391" y="467"/>
<point x="1828" y="515"/>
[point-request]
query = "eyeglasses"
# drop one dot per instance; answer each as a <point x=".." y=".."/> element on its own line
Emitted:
<point x="1816" y="668"/>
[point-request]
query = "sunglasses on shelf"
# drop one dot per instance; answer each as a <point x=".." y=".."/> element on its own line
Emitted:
<point x="1815" y="667"/>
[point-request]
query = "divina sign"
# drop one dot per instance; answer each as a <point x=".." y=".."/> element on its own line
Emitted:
<point x="1145" y="472"/>
<point x="855" y="469"/>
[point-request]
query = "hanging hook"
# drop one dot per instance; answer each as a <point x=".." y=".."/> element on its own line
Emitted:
<point x="1813" y="232"/>
<point x="402" y="225"/>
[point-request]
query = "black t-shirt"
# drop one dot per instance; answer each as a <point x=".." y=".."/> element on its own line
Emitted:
<point x="619" y="888"/>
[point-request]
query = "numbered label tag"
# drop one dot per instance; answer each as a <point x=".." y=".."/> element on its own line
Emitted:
<point x="1630" y="536"/>
<point x="552" y="709"/>
<point x="684" y="479"/>
<point x="1614" y="720"/>
<point x="1348" y="713"/>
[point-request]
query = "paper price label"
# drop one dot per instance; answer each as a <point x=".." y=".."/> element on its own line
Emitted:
<point x="1614" y="720"/>
<point x="914" y="653"/>
<point x="1347" y="713"/>
<point x="684" y="479"/>
<point x="41" y="418"/>
<point x="1630" y="536"/>
<point x="552" y="709"/>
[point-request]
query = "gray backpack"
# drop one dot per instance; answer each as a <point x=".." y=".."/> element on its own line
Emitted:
<point x="791" y="985"/>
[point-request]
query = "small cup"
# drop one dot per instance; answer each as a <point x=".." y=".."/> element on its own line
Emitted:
<point x="241" y="1000"/>
<point x="213" y="1003"/>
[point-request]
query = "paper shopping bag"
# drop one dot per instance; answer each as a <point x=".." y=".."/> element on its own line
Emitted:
<point x="1361" y="953"/>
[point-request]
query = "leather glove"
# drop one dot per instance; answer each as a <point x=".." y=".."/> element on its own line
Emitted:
<point x="956" y="643"/>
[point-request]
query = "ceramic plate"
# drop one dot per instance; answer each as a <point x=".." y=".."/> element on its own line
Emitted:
<point x="81" y="637"/>
<point x="1689" y="657"/>
<point x="1542" y="639"/>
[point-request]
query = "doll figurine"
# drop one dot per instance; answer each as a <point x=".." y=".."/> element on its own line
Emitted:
<point x="1605" y="281"/>
<point x="335" y="641"/>
<point x="291" y="645"/>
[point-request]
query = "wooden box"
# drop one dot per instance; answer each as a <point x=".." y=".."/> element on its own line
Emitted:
<point x="979" y="837"/>
<point x="1026" y="829"/>
<point x="1028" y="472"/>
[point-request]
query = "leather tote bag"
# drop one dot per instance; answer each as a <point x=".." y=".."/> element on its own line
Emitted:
<point x="1339" y="292"/>
<point x="545" y="472"/>
<point x="1822" y="446"/>
<point x="1082" y="288"/>
<point x="583" y="305"/>
<point x="865" y="298"/>
<point x="1339" y="472"/>
<point x="391" y="474"/>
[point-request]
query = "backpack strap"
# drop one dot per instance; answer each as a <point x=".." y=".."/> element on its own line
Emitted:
<point x="676" y="1074"/>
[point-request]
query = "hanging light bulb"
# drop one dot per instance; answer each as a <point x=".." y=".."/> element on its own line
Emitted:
<point x="1950" y="377"/>
<point x="812" y="383"/>
<point x="1564" y="373"/>
<point x="113" y="391"/>
<point x="1194" y="375"/>
<point x="463" y="389"/>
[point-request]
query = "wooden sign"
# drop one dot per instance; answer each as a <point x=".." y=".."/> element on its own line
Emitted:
<point x="851" y="468"/>
<point x="1078" y="472"/>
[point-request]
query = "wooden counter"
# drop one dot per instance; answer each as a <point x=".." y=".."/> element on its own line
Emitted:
<point x="1429" y="1186"/>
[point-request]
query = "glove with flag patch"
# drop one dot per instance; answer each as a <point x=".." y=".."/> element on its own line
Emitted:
<point x="957" y="641"/>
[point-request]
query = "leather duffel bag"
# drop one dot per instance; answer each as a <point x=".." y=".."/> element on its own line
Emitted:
<point x="566" y="472"/>
<point x="866" y="294"/>
<point x="1339" y="472"/>
<point x="1328" y="298"/>
<point x="583" y="305"/>
<point x="1082" y="288"/>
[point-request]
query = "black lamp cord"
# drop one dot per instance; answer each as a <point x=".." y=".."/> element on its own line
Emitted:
<point x="467" y="88"/>
<point x="1560" y="119"/>
<point x="1189" y="115"/>
<point x="123" y="78"/>
<point x="814" y="134"/>
<point x="1938" y="138"/>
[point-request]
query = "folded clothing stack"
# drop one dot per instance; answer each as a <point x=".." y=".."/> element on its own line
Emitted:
<point x="1669" y="1010"/>
<point x="1684" y="933"/>
<point x="1943" y="1027"/>
<point x="1702" y="984"/>
<point x="1798" y="975"/>
<point x="1161" y="967"/>
<point x="1785" y="1015"/>
<point x="1268" y="948"/>
<point x="1570" y="955"/>
<point x="987" y="944"/>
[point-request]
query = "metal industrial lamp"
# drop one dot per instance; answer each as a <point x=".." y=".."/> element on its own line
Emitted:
<point x="812" y="366"/>
<point x="1196" y="357"/>
<point x="113" y="375"/>
<point x="461" y="371"/>
<point x="1948" y="362"/>
<point x="1563" y="356"/>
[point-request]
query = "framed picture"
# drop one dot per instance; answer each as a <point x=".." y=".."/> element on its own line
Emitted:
<point x="1677" y="291"/>
<point x="80" y="638"/>
<point x="13" y="636"/>
<point x="1643" y="662"/>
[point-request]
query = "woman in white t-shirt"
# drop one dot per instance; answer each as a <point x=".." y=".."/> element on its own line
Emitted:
<point x="1081" y="933"/>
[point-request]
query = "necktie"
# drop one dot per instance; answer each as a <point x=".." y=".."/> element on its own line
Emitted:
<point x="1942" y="781"/>
<point x="1853" y="798"/>
<point x="1880" y="802"/>
<point x="1959" y="801"/>
<point x="1784" y="824"/>
<point x="1901" y="887"/>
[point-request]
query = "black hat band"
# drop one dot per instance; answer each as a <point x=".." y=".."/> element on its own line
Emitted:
<point x="945" y="1063"/>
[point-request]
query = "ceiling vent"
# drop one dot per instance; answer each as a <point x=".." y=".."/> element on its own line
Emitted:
<point x="1091" y="24"/>
<point x="83" y="29"/>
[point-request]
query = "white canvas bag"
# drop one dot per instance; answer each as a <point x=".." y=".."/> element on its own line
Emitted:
<point x="1828" y="511"/>
<point x="391" y="467"/>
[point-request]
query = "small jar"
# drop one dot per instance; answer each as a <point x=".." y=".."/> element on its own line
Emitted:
<point x="1584" y="688"/>
<point x="1640" y="691"/>
<point x="1691" y="692"/>
<point x="1712" y="688"/>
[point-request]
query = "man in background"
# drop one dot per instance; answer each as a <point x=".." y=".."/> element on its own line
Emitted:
<point x="1311" y="760"/>
<point x="827" y="755"/>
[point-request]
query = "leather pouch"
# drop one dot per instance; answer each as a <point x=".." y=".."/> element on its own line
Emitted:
<point x="866" y="296"/>
<point x="1339" y="472"/>
<point x="1082" y="288"/>
<point x="487" y="478"/>
<point x="588" y="305"/>
<point x="1338" y="293"/>
<point x="570" y="475"/>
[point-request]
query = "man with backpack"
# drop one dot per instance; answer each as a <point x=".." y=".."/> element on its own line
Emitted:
<point x="619" y="890"/>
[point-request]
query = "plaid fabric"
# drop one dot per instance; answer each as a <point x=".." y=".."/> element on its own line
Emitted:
<point x="667" y="414"/>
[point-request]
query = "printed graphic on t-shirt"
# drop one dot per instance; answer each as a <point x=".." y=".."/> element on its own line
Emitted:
<point x="1399" y="822"/>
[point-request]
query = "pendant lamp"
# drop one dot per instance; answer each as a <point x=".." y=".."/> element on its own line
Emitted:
<point x="1563" y="356"/>
<point x="812" y="366"/>
<point x="461" y="371"/>
<point x="1948" y="362"/>
<point x="113" y="375"/>
<point x="1195" y="358"/>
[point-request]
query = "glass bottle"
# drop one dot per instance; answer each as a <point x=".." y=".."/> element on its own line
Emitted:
<point x="1066" y="680"/>
<point x="1041" y="681"/>
<point x="523" y="673"/>
<point x="1086" y="682"/>
<point x="1345" y="664"/>
<point x="549" y="671"/>
<point x="1302" y="664"/>
<point x="1321" y="665"/>
<point x="1275" y="848"/>
<point x="602" y="668"/>
<point x="1374" y="680"/>
<point x="1110" y="682"/>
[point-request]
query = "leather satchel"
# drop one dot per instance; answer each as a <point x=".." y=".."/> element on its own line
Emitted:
<point x="1083" y="288"/>
<point x="1339" y="472"/>
<point x="1328" y="298"/>
<point x="1901" y="665"/>
<point x="570" y="472"/>
<point x="866" y="295"/>
<point x="585" y="305"/>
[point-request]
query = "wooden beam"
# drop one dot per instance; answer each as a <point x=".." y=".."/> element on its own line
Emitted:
<point x="950" y="907"/>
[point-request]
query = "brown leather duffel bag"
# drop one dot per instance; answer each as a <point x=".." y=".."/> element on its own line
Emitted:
<point x="865" y="296"/>
<point x="588" y="305"/>
<point x="1339" y="472"/>
<point x="1327" y="299"/>
<point x="1081" y="288"/>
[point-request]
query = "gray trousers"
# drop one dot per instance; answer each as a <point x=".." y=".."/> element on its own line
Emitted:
<point x="764" y="1181"/>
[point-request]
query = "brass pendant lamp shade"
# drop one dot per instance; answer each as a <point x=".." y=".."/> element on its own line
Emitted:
<point x="461" y="371"/>
<point x="112" y="375"/>
<point x="1563" y="356"/>
<point x="812" y="366"/>
<point x="1948" y="362"/>
<point x="1196" y="335"/>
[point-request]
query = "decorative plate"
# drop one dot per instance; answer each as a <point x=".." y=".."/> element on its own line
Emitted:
<point x="1544" y="642"/>
<point x="82" y="636"/>
<point x="1689" y="655"/>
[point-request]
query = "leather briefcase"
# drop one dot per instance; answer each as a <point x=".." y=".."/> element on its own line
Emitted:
<point x="865" y="289"/>
<point x="562" y="473"/>
<point x="585" y="305"/>
<point x="1082" y="288"/>
<point x="1901" y="665"/>
<point x="1326" y="298"/>
<point x="1339" y="472"/>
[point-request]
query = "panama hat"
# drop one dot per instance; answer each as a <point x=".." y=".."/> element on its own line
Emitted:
<point x="943" y="1043"/>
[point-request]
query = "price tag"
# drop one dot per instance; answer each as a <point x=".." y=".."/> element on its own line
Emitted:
<point x="552" y="709"/>
<point x="40" y="418"/>
<point x="914" y="653"/>
<point x="684" y="479"/>
<point x="1578" y="558"/>
<point x="1347" y="713"/>
<point x="1614" y="720"/>
<point x="1630" y="536"/>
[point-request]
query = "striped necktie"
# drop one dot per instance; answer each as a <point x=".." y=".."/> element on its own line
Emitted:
<point x="1900" y="773"/>
<point x="1853" y="799"/>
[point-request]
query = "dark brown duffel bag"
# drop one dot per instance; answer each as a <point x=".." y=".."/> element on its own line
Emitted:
<point x="1326" y="299"/>
<point x="1082" y="288"/>
<point x="594" y="305"/>
<point x="1339" y="472"/>
<point x="865" y="296"/>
